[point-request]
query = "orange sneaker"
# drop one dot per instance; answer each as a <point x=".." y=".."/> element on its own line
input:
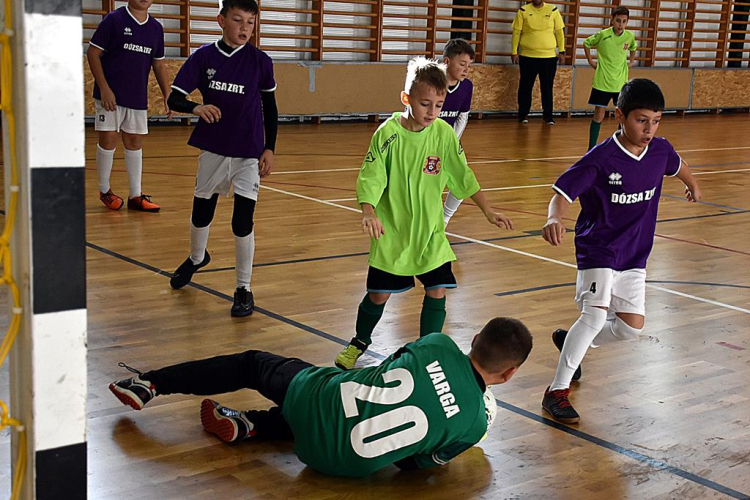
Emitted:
<point x="143" y="203"/>
<point x="111" y="200"/>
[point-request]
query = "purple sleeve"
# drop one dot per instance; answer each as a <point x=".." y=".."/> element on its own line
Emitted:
<point x="267" y="82"/>
<point x="159" y="47"/>
<point x="189" y="76"/>
<point x="103" y="37"/>
<point x="674" y="162"/>
<point x="576" y="180"/>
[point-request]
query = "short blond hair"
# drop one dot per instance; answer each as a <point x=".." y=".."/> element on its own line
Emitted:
<point x="428" y="72"/>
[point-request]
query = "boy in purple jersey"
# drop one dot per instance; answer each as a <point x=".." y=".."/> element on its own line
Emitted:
<point x="236" y="133"/>
<point x="126" y="45"/>
<point x="458" y="55"/>
<point x="618" y="183"/>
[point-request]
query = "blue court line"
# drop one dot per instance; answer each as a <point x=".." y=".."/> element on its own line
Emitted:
<point x="675" y="219"/>
<point x="651" y="462"/>
<point x="718" y="164"/>
<point x="703" y="202"/>
<point x="659" y="282"/>
<point x="527" y="234"/>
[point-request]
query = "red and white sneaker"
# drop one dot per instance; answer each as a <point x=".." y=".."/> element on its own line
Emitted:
<point x="134" y="392"/>
<point x="227" y="424"/>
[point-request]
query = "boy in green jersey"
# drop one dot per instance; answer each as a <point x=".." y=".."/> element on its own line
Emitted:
<point x="421" y="407"/>
<point x="413" y="156"/>
<point x="612" y="47"/>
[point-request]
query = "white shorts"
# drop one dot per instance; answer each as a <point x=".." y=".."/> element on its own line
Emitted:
<point x="221" y="174"/>
<point x="618" y="291"/>
<point x="132" y="121"/>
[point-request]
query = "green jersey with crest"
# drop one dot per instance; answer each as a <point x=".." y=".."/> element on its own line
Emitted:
<point x="424" y="401"/>
<point x="403" y="176"/>
<point x="612" y="53"/>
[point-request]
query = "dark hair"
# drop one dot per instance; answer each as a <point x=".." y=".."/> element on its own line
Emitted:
<point x="246" y="5"/>
<point x="457" y="46"/>
<point x="427" y="72"/>
<point x="640" y="93"/>
<point x="620" y="11"/>
<point x="502" y="344"/>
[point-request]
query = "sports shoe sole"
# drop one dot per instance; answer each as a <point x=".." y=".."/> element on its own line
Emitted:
<point x="223" y="427"/>
<point x="242" y="313"/>
<point x="139" y="209"/>
<point x="126" y="397"/>
<point x="573" y="420"/>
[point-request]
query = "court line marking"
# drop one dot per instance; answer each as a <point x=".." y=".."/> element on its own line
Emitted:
<point x="663" y="282"/>
<point x="519" y="252"/>
<point x="659" y="465"/>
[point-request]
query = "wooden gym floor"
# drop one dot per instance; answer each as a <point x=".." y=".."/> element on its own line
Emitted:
<point x="665" y="417"/>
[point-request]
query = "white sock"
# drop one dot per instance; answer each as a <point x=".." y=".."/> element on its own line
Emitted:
<point x="245" y="250"/>
<point x="449" y="208"/>
<point x="615" y="329"/>
<point x="134" y="165"/>
<point x="198" y="242"/>
<point x="104" y="160"/>
<point x="580" y="335"/>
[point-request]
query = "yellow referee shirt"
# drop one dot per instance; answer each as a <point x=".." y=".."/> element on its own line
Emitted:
<point x="539" y="31"/>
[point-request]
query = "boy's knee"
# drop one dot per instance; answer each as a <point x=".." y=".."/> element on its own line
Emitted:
<point x="593" y="317"/>
<point x="108" y="140"/>
<point x="624" y="331"/>
<point x="203" y="210"/>
<point x="379" y="298"/>
<point x="133" y="142"/>
<point x="242" y="218"/>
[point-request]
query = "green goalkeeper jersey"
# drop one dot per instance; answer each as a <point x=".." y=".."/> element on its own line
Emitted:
<point x="403" y="176"/>
<point x="425" y="401"/>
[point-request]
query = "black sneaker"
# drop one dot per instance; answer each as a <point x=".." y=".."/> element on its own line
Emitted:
<point x="244" y="304"/>
<point x="185" y="272"/>
<point x="228" y="424"/>
<point x="556" y="403"/>
<point x="134" y="392"/>
<point x="549" y="121"/>
<point x="523" y="120"/>
<point x="558" y="338"/>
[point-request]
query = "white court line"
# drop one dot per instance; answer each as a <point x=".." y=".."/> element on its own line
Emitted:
<point x="315" y="171"/>
<point x="519" y="252"/>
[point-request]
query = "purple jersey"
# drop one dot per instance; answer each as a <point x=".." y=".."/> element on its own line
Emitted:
<point x="233" y="83"/>
<point x="619" y="194"/>
<point x="129" y="49"/>
<point x="457" y="101"/>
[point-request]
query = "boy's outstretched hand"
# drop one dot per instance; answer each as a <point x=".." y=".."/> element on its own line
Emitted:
<point x="499" y="219"/>
<point x="694" y="194"/>
<point x="553" y="232"/>
<point x="372" y="226"/>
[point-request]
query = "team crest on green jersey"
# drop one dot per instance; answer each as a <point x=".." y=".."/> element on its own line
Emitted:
<point x="431" y="165"/>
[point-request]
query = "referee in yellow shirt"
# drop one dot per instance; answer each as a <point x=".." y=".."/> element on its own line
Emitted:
<point x="537" y="31"/>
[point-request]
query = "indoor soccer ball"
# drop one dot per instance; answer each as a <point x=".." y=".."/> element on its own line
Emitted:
<point x="490" y="406"/>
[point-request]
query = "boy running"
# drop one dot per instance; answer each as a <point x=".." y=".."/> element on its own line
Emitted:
<point x="421" y="407"/>
<point x="412" y="157"/>
<point x="236" y="133"/>
<point x="458" y="55"/>
<point x="126" y="45"/>
<point x="619" y="184"/>
<point x="612" y="63"/>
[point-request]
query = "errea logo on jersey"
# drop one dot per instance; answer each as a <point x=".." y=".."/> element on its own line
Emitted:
<point x="615" y="179"/>
<point x="210" y="72"/>
<point x="128" y="31"/>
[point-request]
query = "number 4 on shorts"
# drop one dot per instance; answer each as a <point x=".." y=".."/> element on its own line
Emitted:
<point x="593" y="287"/>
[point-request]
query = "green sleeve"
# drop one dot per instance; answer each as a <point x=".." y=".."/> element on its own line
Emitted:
<point x="593" y="40"/>
<point x="372" y="178"/>
<point x="461" y="179"/>
<point x="441" y="456"/>
<point x="633" y="45"/>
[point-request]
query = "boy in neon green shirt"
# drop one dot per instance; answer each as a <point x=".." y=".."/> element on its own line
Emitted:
<point x="413" y="156"/>
<point x="612" y="46"/>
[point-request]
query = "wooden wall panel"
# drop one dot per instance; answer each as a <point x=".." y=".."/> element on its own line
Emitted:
<point x="675" y="83"/>
<point x="721" y="88"/>
<point x="496" y="88"/>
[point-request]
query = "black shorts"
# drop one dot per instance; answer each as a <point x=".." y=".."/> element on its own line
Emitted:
<point x="601" y="98"/>
<point x="379" y="281"/>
